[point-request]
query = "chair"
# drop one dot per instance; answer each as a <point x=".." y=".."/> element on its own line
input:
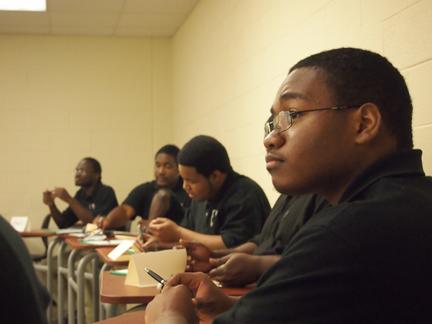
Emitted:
<point x="42" y="256"/>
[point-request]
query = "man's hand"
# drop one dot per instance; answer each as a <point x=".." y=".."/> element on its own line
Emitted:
<point x="208" y="299"/>
<point x="174" y="305"/>
<point x="99" y="221"/>
<point x="164" y="229"/>
<point x="236" y="269"/>
<point x="48" y="198"/>
<point x="61" y="193"/>
<point x="198" y="256"/>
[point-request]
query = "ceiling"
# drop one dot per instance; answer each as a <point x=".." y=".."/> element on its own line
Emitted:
<point x="155" y="18"/>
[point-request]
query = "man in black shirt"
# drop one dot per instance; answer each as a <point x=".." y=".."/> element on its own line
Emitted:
<point x="340" y="128"/>
<point x="245" y="263"/>
<point x="91" y="200"/>
<point x="163" y="196"/>
<point x="227" y="208"/>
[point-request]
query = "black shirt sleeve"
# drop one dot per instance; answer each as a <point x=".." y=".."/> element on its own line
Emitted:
<point x="140" y="198"/>
<point x="244" y="214"/>
<point x="105" y="201"/>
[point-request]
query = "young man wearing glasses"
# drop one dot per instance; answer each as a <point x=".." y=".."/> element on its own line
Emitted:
<point x="367" y="257"/>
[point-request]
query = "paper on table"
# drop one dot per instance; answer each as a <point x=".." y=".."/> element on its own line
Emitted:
<point x="103" y="243"/>
<point x="20" y="223"/>
<point x="120" y="249"/>
<point x="69" y="230"/>
<point x="165" y="263"/>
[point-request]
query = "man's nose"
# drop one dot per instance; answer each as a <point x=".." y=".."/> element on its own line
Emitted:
<point x="274" y="140"/>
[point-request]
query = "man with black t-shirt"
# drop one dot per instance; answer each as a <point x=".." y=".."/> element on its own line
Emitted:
<point x="163" y="196"/>
<point x="91" y="200"/>
<point x="227" y="208"/>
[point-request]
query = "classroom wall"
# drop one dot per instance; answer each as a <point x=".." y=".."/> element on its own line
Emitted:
<point x="64" y="98"/>
<point x="231" y="55"/>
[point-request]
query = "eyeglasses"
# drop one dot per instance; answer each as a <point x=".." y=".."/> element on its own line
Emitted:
<point x="284" y="119"/>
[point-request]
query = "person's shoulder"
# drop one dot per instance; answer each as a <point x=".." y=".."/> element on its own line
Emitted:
<point x="106" y="188"/>
<point x="242" y="181"/>
<point x="149" y="185"/>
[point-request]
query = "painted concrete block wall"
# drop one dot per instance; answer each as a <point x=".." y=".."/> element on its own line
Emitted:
<point x="231" y="55"/>
<point x="64" y="98"/>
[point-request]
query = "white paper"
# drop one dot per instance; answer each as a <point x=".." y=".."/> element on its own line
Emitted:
<point x="20" y="223"/>
<point x="103" y="243"/>
<point x="120" y="249"/>
<point x="165" y="263"/>
<point x="69" y="230"/>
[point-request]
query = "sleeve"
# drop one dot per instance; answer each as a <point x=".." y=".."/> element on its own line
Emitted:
<point x="245" y="213"/>
<point x="106" y="201"/>
<point x="187" y="221"/>
<point x="140" y="198"/>
<point x="68" y="217"/>
<point x="301" y="287"/>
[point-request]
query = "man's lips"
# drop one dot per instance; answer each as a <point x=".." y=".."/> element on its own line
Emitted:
<point x="273" y="160"/>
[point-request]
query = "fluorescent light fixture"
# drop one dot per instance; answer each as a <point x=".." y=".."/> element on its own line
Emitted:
<point x="23" y="5"/>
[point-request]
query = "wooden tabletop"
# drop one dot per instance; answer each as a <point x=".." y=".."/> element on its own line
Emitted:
<point x="131" y="317"/>
<point x="38" y="233"/>
<point x="75" y="243"/>
<point x="114" y="291"/>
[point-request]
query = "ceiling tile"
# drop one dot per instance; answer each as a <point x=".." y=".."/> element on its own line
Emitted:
<point x="159" y="6"/>
<point x="13" y="18"/>
<point x="83" y="19"/>
<point x="83" y="30"/>
<point x="24" y="29"/>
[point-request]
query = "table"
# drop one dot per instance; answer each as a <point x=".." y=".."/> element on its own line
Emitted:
<point x="132" y="317"/>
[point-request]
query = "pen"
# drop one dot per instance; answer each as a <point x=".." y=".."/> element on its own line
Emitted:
<point x="155" y="276"/>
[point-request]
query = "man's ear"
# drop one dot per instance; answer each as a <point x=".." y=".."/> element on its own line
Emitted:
<point x="369" y="123"/>
<point x="216" y="176"/>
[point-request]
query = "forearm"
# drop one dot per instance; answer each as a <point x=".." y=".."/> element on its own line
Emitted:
<point x="117" y="218"/>
<point x="80" y="211"/>
<point x="57" y="216"/>
<point x="171" y="317"/>
<point x="264" y="262"/>
<point x="213" y="242"/>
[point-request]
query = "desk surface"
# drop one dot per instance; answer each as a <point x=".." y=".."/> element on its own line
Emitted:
<point x="103" y="252"/>
<point x="132" y="317"/>
<point x="114" y="291"/>
<point x="38" y="233"/>
<point x="75" y="243"/>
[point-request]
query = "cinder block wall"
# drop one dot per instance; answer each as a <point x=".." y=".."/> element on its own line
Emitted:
<point x="231" y="55"/>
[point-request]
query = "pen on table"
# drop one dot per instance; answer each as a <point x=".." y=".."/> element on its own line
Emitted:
<point x="155" y="276"/>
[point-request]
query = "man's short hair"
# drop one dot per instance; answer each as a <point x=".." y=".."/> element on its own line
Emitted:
<point x="357" y="76"/>
<point x="96" y="166"/>
<point x="205" y="154"/>
<point x="169" y="149"/>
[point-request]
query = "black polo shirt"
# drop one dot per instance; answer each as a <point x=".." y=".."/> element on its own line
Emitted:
<point x="24" y="298"/>
<point x="237" y="213"/>
<point x="366" y="260"/>
<point x="141" y="196"/>
<point x="101" y="202"/>
<point x="287" y="216"/>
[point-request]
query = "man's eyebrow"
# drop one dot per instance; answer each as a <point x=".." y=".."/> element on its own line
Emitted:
<point x="293" y="95"/>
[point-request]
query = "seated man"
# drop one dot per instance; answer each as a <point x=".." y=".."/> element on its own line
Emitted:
<point x="24" y="298"/>
<point x="227" y="209"/>
<point x="245" y="263"/>
<point x="341" y="129"/>
<point x="92" y="199"/>
<point x="163" y="196"/>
